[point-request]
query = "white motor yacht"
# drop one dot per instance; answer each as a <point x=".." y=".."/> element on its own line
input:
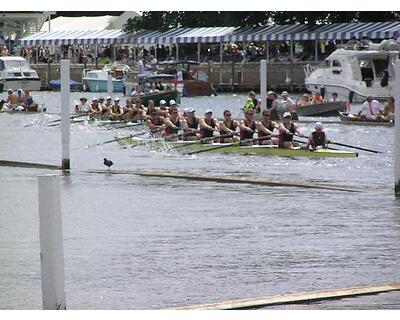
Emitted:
<point x="15" y="73"/>
<point x="356" y="74"/>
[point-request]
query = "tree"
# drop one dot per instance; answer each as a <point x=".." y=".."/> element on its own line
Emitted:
<point x="164" y="20"/>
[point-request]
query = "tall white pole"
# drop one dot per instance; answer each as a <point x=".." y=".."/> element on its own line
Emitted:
<point x="263" y="83"/>
<point x="51" y="243"/>
<point x="65" y="116"/>
<point x="109" y="84"/>
<point x="396" y="96"/>
<point x="198" y="51"/>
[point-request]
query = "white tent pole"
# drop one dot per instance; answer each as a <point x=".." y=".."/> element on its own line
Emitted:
<point x="263" y="83"/>
<point x="65" y="120"/>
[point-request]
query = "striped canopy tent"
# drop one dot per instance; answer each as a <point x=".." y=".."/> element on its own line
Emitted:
<point x="347" y="31"/>
<point x="72" y="37"/>
<point x="265" y="33"/>
<point x="152" y="36"/>
<point x="204" y="35"/>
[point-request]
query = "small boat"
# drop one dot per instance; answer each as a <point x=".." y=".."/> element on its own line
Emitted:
<point x="73" y="85"/>
<point x="15" y="73"/>
<point x="190" y="81"/>
<point x="347" y="118"/>
<point x="270" y="150"/>
<point x="167" y="94"/>
<point x="96" y="80"/>
<point x="326" y="109"/>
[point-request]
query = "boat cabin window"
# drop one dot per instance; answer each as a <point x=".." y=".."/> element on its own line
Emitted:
<point x="380" y="66"/>
<point x="27" y="74"/>
<point x="366" y="68"/>
<point x="336" y="63"/>
<point x="92" y="75"/>
<point x="17" y="74"/>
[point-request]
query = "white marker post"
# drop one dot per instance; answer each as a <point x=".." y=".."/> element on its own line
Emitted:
<point x="396" y="96"/>
<point x="51" y="243"/>
<point x="263" y="83"/>
<point x="65" y="116"/>
<point x="109" y="85"/>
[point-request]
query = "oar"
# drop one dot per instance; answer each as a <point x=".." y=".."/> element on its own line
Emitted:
<point x="133" y="124"/>
<point x="354" y="147"/>
<point x="237" y="143"/>
<point x="201" y="141"/>
<point x="117" y="139"/>
<point x="71" y="117"/>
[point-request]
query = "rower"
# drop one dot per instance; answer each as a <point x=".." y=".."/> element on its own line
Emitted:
<point x="228" y="126"/>
<point x="191" y="125"/>
<point x="163" y="109"/>
<point x="138" y="113"/>
<point x="266" y="127"/>
<point x="247" y="127"/>
<point x="127" y="111"/>
<point x="286" y="131"/>
<point x="116" y="110"/>
<point x="94" y="109"/>
<point x="155" y="122"/>
<point x="370" y="110"/>
<point x="317" y="138"/>
<point x="208" y="125"/>
<point x="173" y="124"/>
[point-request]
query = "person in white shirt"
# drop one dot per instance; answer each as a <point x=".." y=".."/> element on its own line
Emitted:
<point x="287" y="105"/>
<point x="83" y="106"/>
<point x="370" y="109"/>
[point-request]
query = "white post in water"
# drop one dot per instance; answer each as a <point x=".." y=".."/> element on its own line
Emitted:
<point x="65" y="120"/>
<point x="263" y="83"/>
<point x="396" y="96"/>
<point x="109" y="84"/>
<point x="51" y="243"/>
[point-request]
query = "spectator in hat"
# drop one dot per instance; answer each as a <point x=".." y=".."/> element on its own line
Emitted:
<point x="272" y="105"/>
<point x="82" y="106"/>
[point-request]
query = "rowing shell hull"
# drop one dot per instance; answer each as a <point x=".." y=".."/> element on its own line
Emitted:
<point x="256" y="149"/>
<point x="345" y="118"/>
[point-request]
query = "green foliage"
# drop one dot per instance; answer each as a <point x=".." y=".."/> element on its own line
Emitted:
<point x="164" y="20"/>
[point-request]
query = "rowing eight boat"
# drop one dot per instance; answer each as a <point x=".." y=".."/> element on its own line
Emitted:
<point x="272" y="150"/>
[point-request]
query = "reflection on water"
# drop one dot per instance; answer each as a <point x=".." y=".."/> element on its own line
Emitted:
<point x="133" y="242"/>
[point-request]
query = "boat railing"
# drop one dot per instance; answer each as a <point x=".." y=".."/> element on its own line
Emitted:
<point x="308" y="69"/>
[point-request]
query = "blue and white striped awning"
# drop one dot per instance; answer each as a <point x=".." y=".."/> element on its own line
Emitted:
<point x="152" y="37"/>
<point x="265" y="33"/>
<point x="205" y="35"/>
<point x="346" y="31"/>
<point x="77" y="37"/>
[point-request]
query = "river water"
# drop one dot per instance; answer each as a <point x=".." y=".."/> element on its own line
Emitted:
<point x="132" y="242"/>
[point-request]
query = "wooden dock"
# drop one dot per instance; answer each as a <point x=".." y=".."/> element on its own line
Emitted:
<point x="293" y="298"/>
<point x="245" y="179"/>
<point x="21" y="164"/>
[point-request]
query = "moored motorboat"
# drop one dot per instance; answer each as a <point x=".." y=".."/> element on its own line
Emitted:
<point x="271" y="150"/>
<point x="348" y="118"/>
<point x="15" y="73"/>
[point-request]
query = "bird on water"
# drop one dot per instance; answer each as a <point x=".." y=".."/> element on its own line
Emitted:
<point x="108" y="163"/>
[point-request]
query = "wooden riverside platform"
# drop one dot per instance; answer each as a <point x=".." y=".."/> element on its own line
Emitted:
<point x="293" y="298"/>
<point x="230" y="179"/>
